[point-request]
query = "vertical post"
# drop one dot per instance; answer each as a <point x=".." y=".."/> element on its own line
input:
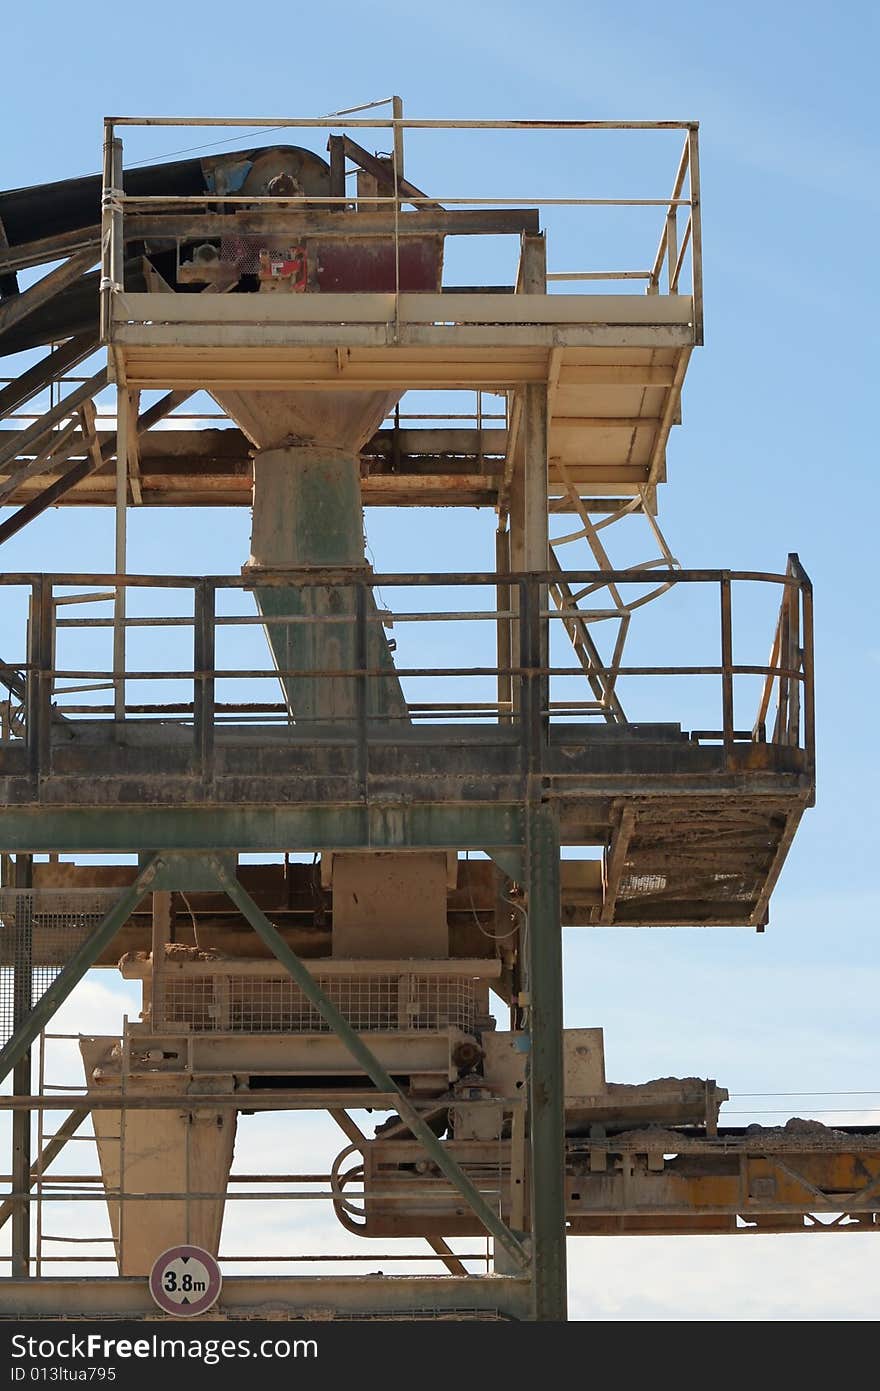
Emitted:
<point x="5" y="735"/>
<point x="362" y="695"/>
<point x="21" y="1074"/>
<point x="696" y="230"/>
<point x="160" y="936"/>
<point x="336" y="147"/>
<point x="516" y="526"/>
<point x="37" y="1178"/>
<point x="534" y="435"/>
<point x="503" y="644"/>
<point x="34" y="683"/>
<point x="397" y="116"/>
<point x="117" y="244"/>
<point x="123" y="434"/>
<point x="532" y="683"/>
<point x="672" y="248"/>
<point x="809" y="693"/>
<point x="39" y="686"/>
<point x="726" y="665"/>
<point x="546" y="1092"/>
<point x="518" y="1167"/>
<point x="204" y="644"/>
<point x="793" y="662"/>
<point x="532" y="280"/>
<point x="546" y="1067"/>
<point x="107" y="233"/>
<point x="536" y="548"/>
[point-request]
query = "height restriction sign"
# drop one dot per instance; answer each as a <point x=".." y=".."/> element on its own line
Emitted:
<point x="185" y="1280"/>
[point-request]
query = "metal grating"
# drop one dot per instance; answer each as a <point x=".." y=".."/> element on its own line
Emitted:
<point x="243" y="1004"/>
<point x="40" y="929"/>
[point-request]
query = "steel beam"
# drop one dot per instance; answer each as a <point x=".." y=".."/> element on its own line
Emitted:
<point x="49" y="369"/>
<point x="26" y="441"/>
<point x="546" y="1069"/>
<point x="298" y="1296"/>
<point x="370" y="1064"/>
<point x="129" y="829"/>
<point x="86" y="955"/>
<point x="15" y="308"/>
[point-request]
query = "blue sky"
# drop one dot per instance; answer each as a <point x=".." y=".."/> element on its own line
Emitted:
<point x="776" y="454"/>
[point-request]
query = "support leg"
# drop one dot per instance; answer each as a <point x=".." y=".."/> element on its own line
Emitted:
<point x="546" y="1069"/>
<point x="21" y="1075"/>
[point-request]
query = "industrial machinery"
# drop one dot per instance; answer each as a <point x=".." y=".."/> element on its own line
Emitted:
<point x="354" y="809"/>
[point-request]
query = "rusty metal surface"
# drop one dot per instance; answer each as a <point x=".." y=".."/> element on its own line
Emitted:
<point x="659" y="1182"/>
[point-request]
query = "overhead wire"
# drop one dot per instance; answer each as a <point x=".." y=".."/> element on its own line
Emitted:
<point x="246" y="134"/>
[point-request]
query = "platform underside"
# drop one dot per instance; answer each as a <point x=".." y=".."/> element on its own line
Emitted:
<point x="703" y="841"/>
<point x="614" y="366"/>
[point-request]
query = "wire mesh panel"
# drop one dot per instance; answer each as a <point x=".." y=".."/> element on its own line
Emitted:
<point x="219" y="1003"/>
<point x="40" y="929"/>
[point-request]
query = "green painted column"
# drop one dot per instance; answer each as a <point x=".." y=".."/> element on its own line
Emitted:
<point x="308" y="516"/>
<point x="546" y="1066"/>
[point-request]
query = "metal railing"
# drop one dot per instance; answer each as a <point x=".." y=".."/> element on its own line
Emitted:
<point x="126" y="217"/>
<point x="532" y="690"/>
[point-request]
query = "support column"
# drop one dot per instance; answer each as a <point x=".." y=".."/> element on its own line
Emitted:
<point x="308" y="517"/>
<point x="543" y="962"/>
<point x="546" y="1069"/>
<point x="123" y="441"/>
<point x="504" y="627"/>
<point x="21" y="1075"/>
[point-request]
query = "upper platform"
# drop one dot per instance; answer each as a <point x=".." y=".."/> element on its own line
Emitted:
<point x="360" y="290"/>
<point x="356" y="305"/>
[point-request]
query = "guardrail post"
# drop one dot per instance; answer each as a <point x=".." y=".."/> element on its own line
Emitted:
<point x="39" y="684"/>
<point x="362" y="650"/>
<point x="21" y="1074"/>
<point x="106" y="233"/>
<point x="793" y="662"/>
<point x="204" y="644"/>
<point x="672" y="248"/>
<point x="696" y="231"/>
<point x="726" y="665"/>
<point x="503" y="628"/>
<point x="809" y="691"/>
<point x="531" y="681"/>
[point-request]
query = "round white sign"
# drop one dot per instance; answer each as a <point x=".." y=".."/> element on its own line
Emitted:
<point x="185" y="1281"/>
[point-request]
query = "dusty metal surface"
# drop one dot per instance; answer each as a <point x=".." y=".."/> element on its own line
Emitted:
<point x="307" y="307"/>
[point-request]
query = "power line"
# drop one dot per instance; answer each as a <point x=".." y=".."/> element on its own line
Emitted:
<point x="841" y="1111"/>
<point x="875" y="1092"/>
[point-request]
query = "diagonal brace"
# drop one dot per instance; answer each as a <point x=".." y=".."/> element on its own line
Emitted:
<point x="67" y="1128"/>
<point x="15" y="308"/>
<point x="370" y="1064"/>
<point x="73" y="972"/>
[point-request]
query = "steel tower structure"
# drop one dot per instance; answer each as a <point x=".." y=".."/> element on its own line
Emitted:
<point x="389" y="725"/>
